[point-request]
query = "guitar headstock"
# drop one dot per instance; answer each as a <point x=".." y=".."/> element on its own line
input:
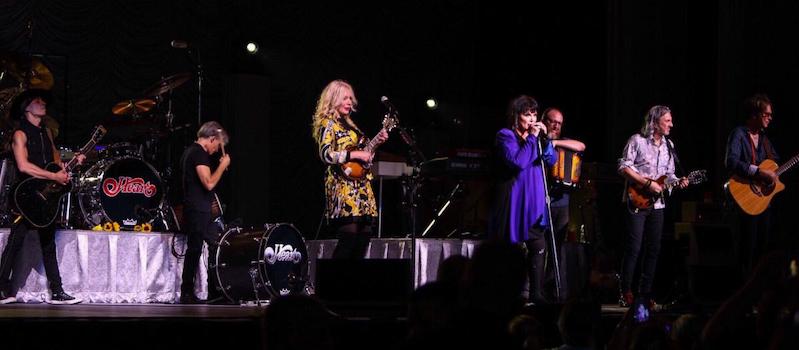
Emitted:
<point x="98" y="133"/>
<point x="697" y="177"/>
<point x="390" y="121"/>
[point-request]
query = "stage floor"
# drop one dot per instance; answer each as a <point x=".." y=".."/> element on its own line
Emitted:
<point x="129" y="311"/>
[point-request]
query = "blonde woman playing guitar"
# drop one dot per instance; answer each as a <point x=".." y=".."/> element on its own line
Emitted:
<point x="351" y="207"/>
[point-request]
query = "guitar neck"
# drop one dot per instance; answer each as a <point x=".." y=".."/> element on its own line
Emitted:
<point x="372" y="144"/>
<point x="83" y="150"/>
<point x="788" y="165"/>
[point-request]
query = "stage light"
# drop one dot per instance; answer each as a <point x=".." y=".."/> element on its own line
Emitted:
<point x="251" y="47"/>
<point x="431" y="103"/>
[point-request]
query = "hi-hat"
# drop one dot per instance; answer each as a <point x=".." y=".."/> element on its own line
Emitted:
<point x="167" y="84"/>
<point x="134" y="106"/>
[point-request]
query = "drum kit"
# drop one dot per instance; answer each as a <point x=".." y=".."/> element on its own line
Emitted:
<point x="121" y="183"/>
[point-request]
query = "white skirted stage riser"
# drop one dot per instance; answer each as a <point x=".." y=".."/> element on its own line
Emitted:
<point x="107" y="267"/>
<point x="135" y="267"/>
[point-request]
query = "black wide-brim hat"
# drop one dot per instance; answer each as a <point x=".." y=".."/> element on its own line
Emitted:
<point x="25" y="98"/>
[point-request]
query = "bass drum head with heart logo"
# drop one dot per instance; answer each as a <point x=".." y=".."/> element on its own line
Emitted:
<point x="124" y="190"/>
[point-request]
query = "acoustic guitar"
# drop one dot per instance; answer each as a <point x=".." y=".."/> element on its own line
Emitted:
<point x="752" y="196"/>
<point x="357" y="169"/>
<point x="643" y="198"/>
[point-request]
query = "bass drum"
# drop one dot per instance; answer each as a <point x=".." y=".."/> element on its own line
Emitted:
<point x="124" y="190"/>
<point x="258" y="265"/>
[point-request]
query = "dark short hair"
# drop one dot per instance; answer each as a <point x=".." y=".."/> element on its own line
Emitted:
<point x="755" y="104"/>
<point x="518" y="106"/>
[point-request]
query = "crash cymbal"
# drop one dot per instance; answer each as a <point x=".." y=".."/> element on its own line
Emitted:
<point x="28" y="72"/>
<point x="133" y="106"/>
<point x="39" y="76"/>
<point x="167" y="84"/>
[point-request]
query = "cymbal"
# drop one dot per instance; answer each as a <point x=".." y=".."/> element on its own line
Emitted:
<point x="29" y="72"/>
<point x="133" y="106"/>
<point x="7" y="97"/>
<point x="167" y="84"/>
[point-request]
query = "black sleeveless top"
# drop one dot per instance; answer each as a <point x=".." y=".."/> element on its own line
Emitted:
<point x="40" y="148"/>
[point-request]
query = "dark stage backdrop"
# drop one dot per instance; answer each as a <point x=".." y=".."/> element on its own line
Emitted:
<point x="604" y="63"/>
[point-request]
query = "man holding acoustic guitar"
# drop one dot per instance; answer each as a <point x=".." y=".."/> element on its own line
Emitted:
<point x="751" y="161"/>
<point x="648" y="157"/>
<point x="33" y="150"/>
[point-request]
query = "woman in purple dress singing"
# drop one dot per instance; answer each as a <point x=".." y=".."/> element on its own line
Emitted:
<point x="520" y="213"/>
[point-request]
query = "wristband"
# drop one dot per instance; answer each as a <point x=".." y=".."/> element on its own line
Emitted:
<point x="347" y="159"/>
<point x="648" y="182"/>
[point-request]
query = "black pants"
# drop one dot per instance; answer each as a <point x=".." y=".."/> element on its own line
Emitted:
<point x="199" y="228"/>
<point x="353" y="240"/>
<point x="560" y="224"/>
<point x="535" y="249"/>
<point x="644" y="229"/>
<point x="15" y="240"/>
<point x="752" y="238"/>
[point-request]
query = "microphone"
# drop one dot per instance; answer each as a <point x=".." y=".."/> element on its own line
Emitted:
<point x="180" y="44"/>
<point x="387" y="103"/>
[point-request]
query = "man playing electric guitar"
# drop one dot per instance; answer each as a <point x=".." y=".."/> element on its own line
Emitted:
<point x="647" y="155"/>
<point x="747" y="147"/>
<point x="33" y="149"/>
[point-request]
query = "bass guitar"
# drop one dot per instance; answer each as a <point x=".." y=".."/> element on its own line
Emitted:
<point x="37" y="200"/>
<point x="357" y="169"/>
<point x="643" y="198"/>
<point x="753" y="197"/>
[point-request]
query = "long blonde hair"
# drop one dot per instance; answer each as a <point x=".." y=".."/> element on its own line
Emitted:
<point x="326" y="107"/>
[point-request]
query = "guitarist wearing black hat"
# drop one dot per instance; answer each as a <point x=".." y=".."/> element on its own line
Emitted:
<point x="33" y="149"/>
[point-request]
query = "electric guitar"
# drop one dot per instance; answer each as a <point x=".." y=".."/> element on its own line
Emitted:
<point x="643" y="198"/>
<point x="753" y="196"/>
<point x="37" y="200"/>
<point x="357" y="169"/>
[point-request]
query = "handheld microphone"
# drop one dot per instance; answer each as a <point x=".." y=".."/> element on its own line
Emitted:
<point x="180" y="44"/>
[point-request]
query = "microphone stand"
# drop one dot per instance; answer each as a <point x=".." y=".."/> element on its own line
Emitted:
<point x="199" y="68"/>
<point x="553" y="246"/>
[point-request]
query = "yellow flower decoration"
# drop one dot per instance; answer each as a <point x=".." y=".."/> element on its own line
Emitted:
<point x="146" y="227"/>
<point x="116" y="227"/>
<point x="97" y="228"/>
<point x="137" y="228"/>
<point x="108" y="227"/>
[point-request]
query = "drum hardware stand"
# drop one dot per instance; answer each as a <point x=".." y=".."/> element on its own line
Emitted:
<point x="553" y="247"/>
<point x="255" y="285"/>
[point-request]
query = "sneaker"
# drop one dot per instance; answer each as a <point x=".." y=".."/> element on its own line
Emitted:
<point x="7" y="298"/>
<point x="62" y="298"/>
<point x="626" y="299"/>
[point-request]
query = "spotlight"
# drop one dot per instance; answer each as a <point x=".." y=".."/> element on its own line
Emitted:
<point x="431" y="103"/>
<point x="251" y="47"/>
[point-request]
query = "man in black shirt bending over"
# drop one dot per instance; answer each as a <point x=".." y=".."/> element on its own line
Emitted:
<point x="198" y="189"/>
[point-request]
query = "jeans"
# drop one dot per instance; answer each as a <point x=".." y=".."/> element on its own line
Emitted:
<point x="644" y="229"/>
<point x="199" y="228"/>
<point x="15" y="240"/>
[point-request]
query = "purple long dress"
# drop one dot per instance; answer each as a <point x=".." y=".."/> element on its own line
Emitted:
<point x="520" y="202"/>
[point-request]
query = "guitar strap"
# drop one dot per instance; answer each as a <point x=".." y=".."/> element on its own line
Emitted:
<point x="767" y="146"/>
<point x="673" y="154"/>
